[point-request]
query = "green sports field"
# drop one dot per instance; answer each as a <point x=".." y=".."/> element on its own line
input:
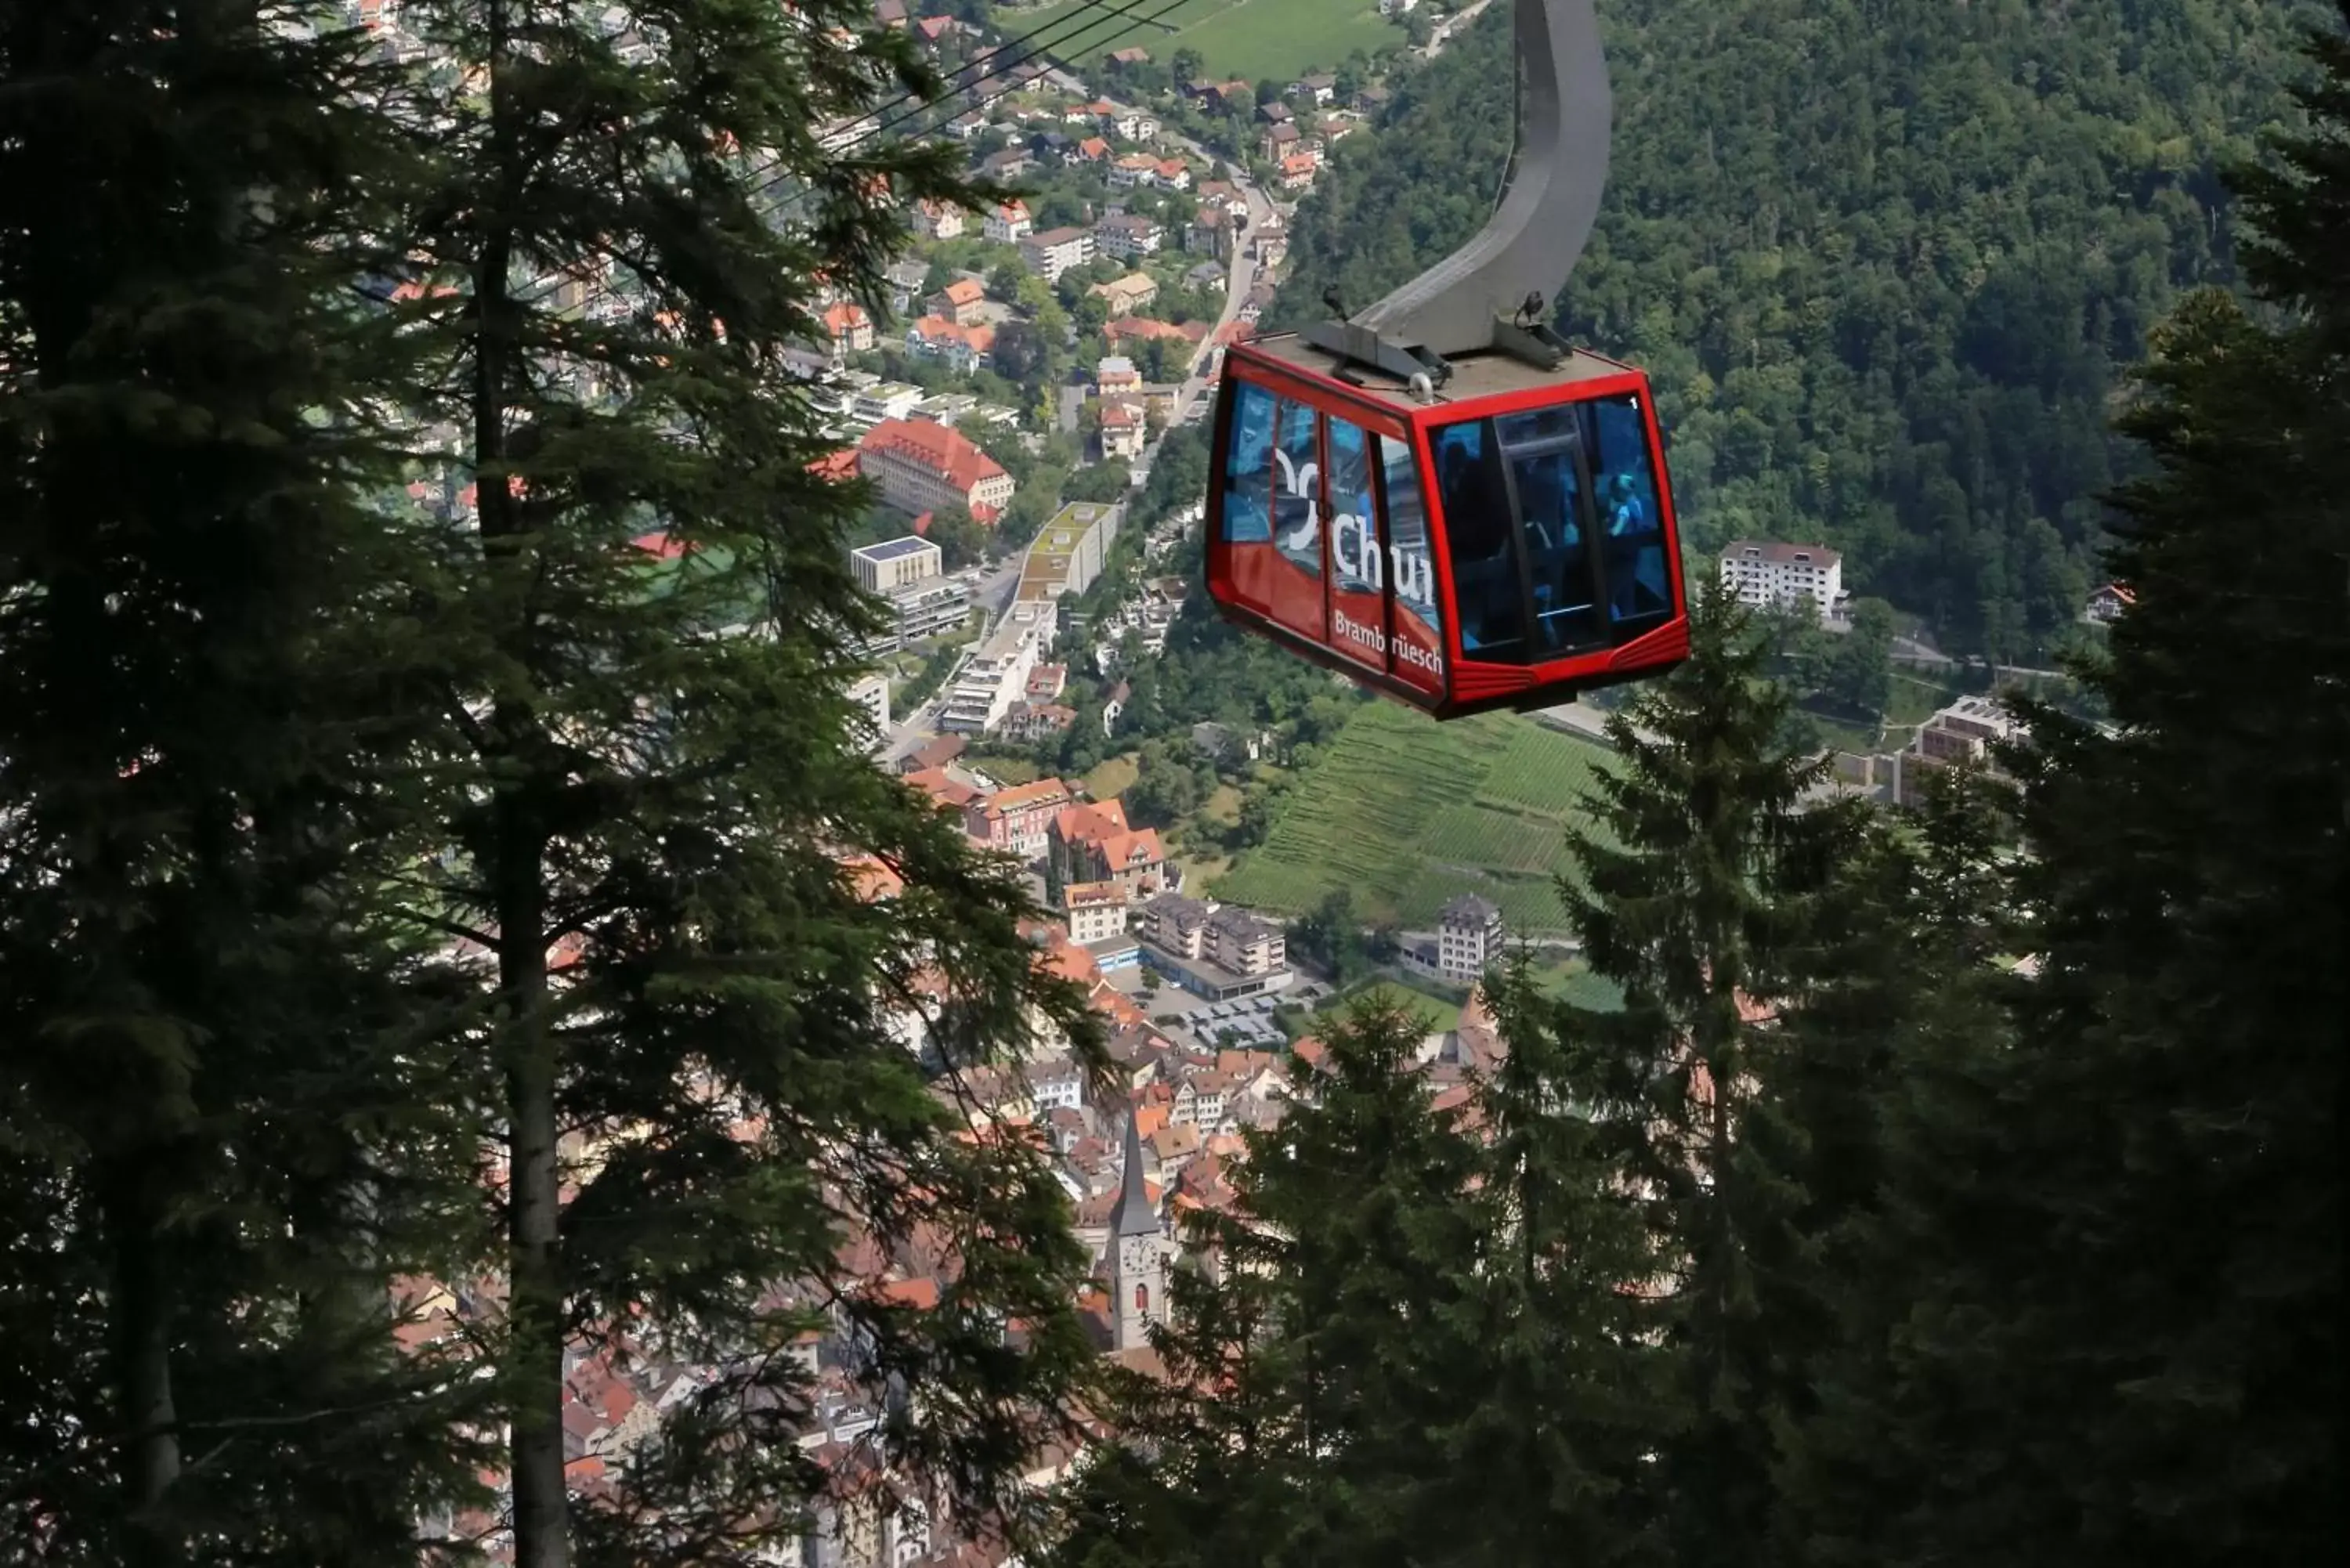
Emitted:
<point x="1250" y="39"/>
<point x="1406" y="814"/>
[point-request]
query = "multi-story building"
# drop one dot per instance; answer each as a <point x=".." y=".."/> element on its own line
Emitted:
<point x="965" y="349"/>
<point x="1055" y="251"/>
<point x="894" y="563"/>
<point x="1123" y="432"/>
<point x="920" y="466"/>
<point x="1094" y="843"/>
<point x="1961" y="733"/>
<point x="1009" y="224"/>
<point x="1246" y="945"/>
<point x="1134" y="169"/>
<point x="1018" y="820"/>
<point x="1116" y="376"/>
<point x="936" y="220"/>
<point x="1126" y="235"/>
<point x="932" y="607"/>
<point x="1468" y="938"/>
<point x="962" y="302"/>
<point x="872" y="693"/>
<point x="884" y="400"/>
<point x="1097" y="910"/>
<point x="997" y="675"/>
<point x="849" y="329"/>
<point x="1176" y="925"/>
<point x="1068" y="552"/>
<point x="1765" y="572"/>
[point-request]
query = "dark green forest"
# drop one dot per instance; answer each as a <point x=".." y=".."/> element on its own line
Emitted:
<point x="1885" y="259"/>
<point x="1926" y="1204"/>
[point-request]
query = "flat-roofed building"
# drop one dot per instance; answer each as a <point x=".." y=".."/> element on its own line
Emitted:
<point x="997" y="676"/>
<point x="1068" y="552"/>
<point x="894" y="563"/>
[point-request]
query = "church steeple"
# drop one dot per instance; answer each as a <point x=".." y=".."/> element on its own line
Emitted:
<point x="1134" y="1216"/>
<point x="1138" y="1263"/>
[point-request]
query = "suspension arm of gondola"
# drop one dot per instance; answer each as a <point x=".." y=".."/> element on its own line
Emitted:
<point x="1490" y="295"/>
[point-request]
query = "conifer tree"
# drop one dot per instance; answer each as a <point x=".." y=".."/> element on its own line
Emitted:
<point x="221" y="1123"/>
<point x="1698" y="879"/>
<point x="1308" y="1377"/>
<point x="1566" y="1399"/>
<point x="2141" y="1359"/>
<point x="650" y="783"/>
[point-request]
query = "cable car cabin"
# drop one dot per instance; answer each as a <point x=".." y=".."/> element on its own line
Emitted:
<point x="1506" y="544"/>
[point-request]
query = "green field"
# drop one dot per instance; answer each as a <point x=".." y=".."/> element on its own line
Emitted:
<point x="1250" y="39"/>
<point x="1406" y="814"/>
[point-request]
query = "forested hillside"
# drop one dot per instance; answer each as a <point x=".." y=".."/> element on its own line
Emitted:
<point x="1883" y="257"/>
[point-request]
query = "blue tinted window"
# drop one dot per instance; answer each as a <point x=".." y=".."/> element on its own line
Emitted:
<point x="1631" y="523"/>
<point x="1486" y="592"/>
<point x="1296" y="510"/>
<point x="1409" y="566"/>
<point x="1354" y="531"/>
<point x="1248" y="468"/>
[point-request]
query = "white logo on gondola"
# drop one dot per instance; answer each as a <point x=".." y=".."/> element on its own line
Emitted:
<point x="1300" y="484"/>
<point x="1355" y="545"/>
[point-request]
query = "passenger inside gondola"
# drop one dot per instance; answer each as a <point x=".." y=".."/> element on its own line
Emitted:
<point x="1557" y="556"/>
<point x="1477" y="526"/>
<point x="1638" y="586"/>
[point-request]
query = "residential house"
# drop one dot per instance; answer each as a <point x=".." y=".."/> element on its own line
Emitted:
<point x="1128" y="330"/>
<point x="1276" y="142"/>
<point x="1008" y="164"/>
<point x="1093" y="150"/>
<point x="1126" y="295"/>
<point x="1009" y="224"/>
<point x="1123" y="432"/>
<point x="1116" y="376"/>
<point x="962" y="302"/>
<point x="1132" y="170"/>
<point x="1297" y="173"/>
<point x="1212" y="277"/>
<point x="966" y="348"/>
<point x="1173" y="174"/>
<point x="1318" y="88"/>
<point x="1211" y="232"/>
<point x="1275" y="112"/>
<point x="1057" y="251"/>
<point x="1018" y="820"/>
<point x="935" y="220"/>
<point x="850" y="327"/>
<point x="1126" y="235"/>
<point x="2109" y="603"/>
<point x="920" y="466"/>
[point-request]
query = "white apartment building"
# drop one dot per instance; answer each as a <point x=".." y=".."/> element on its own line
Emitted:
<point x="1057" y="251"/>
<point x="997" y="675"/>
<point x="884" y="401"/>
<point x="1765" y="572"/>
<point x="871" y="693"/>
<point x="1468" y="938"/>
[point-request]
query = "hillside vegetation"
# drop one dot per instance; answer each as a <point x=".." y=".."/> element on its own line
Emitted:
<point x="1404" y="813"/>
<point x="1883" y="256"/>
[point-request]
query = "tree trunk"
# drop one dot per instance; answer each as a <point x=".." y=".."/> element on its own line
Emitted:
<point x="533" y="1356"/>
<point x="142" y="1365"/>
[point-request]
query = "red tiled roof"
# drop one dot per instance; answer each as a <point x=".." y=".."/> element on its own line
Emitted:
<point x="964" y="291"/>
<point x="936" y="447"/>
<point x="837" y="465"/>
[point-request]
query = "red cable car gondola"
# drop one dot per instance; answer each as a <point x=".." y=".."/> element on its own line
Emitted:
<point x="1499" y="530"/>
